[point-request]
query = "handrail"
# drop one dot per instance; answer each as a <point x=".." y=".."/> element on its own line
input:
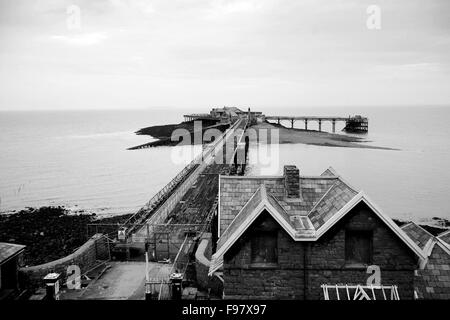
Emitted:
<point x="173" y="267"/>
<point x="178" y="254"/>
<point x="176" y="180"/>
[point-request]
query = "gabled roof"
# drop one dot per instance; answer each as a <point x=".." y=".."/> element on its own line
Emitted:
<point x="235" y="191"/>
<point x="329" y="173"/>
<point x="332" y="206"/>
<point x="9" y="250"/>
<point x="361" y="197"/>
<point x="259" y="202"/>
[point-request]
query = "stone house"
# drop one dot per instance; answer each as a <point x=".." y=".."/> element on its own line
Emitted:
<point x="10" y="258"/>
<point x="283" y="237"/>
<point x="433" y="274"/>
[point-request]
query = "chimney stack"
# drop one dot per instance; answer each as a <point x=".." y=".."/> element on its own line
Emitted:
<point x="291" y="182"/>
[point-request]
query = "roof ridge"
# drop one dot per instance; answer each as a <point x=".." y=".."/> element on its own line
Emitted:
<point x="262" y="186"/>
<point x="428" y="247"/>
<point x="318" y="177"/>
<point x="348" y="184"/>
<point x="321" y="198"/>
<point x="331" y="169"/>
<point x="338" y="176"/>
<point x="278" y="202"/>
<point x="406" y="224"/>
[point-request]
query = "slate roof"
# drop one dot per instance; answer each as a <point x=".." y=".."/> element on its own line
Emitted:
<point x="9" y="250"/>
<point x="236" y="191"/>
<point x="433" y="276"/>
<point x="321" y="197"/>
<point x="251" y="205"/>
<point x="335" y="198"/>
<point x="323" y="200"/>
<point x="418" y="234"/>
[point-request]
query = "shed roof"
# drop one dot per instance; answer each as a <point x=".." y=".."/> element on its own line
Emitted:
<point x="9" y="250"/>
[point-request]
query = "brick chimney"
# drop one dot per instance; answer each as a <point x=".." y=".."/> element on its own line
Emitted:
<point x="291" y="182"/>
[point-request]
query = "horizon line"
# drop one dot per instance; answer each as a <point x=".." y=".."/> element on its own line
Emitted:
<point x="157" y="108"/>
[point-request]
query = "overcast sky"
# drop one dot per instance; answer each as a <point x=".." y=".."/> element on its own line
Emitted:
<point x="204" y="53"/>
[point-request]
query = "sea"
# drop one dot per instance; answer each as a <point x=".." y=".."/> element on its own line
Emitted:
<point x="79" y="159"/>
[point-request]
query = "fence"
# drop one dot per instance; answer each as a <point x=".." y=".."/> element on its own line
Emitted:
<point x="160" y="288"/>
<point x="161" y="241"/>
<point x="360" y="292"/>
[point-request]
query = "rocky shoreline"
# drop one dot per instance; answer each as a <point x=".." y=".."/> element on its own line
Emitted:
<point x="163" y="133"/>
<point x="48" y="232"/>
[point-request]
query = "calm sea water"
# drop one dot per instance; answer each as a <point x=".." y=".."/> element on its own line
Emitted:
<point x="79" y="159"/>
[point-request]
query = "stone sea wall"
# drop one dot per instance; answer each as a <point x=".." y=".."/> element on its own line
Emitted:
<point x="86" y="257"/>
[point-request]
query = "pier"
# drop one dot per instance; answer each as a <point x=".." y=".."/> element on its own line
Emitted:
<point x="194" y="181"/>
<point x="352" y="124"/>
<point x="198" y="116"/>
<point x="195" y="185"/>
<point x="169" y="225"/>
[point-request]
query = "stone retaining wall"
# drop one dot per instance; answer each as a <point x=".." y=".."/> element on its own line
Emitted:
<point x="86" y="257"/>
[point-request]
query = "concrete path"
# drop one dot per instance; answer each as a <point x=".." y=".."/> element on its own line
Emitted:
<point x="123" y="281"/>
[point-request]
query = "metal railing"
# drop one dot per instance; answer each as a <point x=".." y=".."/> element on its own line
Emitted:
<point x="191" y="169"/>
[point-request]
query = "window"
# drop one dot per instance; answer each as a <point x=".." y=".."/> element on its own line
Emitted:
<point x="264" y="248"/>
<point x="358" y="247"/>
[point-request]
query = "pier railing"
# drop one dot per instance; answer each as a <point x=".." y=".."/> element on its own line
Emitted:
<point x="159" y="206"/>
<point x="352" y="123"/>
<point x="159" y="197"/>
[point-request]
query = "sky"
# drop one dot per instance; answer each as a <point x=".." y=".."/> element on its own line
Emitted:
<point x="119" y="54"/>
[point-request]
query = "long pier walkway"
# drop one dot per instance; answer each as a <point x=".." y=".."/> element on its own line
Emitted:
<point x="189" y="198"/>
<point x="360" y="122"/>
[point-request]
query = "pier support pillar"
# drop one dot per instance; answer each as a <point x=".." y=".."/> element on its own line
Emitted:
<point x="320" y="125"/>
<point x="334" y="125"/>
<point x="278" y="120"/>
<point x="292" y="123"/>
<point x="306" y="124"/>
